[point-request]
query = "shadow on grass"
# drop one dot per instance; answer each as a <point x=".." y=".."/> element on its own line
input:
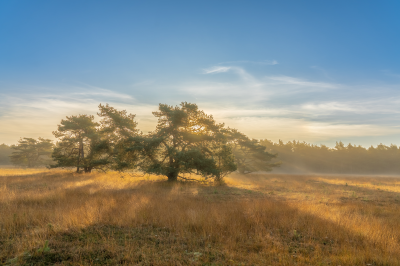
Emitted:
<point x="351" y="189"/>
<point x="357" y="192"/>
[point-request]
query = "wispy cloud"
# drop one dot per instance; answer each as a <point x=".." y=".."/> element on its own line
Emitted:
<point x="382" y="106"/>
<point x="324" y="130"/>
<point x="264" y="62"/>
<point x="254" y="89"/>
<point x="286" y="80"/>
<point x="286" y="107"/>
<point x="241" y="72"/>
<point x="244" y="83"/>
<point x="34" y="115"/>
<point x="99" y="92"/>
<point x="329" y="107"/>
<point x="216" y="69"/>
<point x="73" y="98"/>
<point x="265" y="126"/>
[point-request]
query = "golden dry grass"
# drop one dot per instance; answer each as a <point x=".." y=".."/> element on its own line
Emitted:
<point x="259" y="219"/>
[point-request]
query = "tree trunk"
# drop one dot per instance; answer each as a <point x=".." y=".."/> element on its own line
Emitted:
<point x="82" y="152"/>
<point x="218" y="177"/>
<point x="172" y="176"/>
<point x="79" y="157"/>
<point x="88" y="169"/>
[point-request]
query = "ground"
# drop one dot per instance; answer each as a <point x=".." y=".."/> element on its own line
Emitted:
<point x="58" y="217"/>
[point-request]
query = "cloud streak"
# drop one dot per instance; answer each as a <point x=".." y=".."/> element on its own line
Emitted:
<point x="216" y="70"/>
<point x="247" y="88"/>
<point x="285" y="80"/>
<point x="34" y="115"/>
<point x="264" y="62"/>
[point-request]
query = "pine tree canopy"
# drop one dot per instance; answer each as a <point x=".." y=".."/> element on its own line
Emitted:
<point x="80" y="144"/>
<point x="186" y="141"/>
<point x="88" y="145"/>
<point x="116" y="128"/>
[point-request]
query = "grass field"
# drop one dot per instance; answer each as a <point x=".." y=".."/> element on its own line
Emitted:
<point x="59" y="217"/>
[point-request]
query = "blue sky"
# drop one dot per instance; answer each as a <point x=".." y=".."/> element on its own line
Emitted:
<point x="319" y="71"/>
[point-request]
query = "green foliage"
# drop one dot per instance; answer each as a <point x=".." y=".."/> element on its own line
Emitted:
<point x="79" y="143"/>
<point x="28" y="256"/>
<point x="5" y="152"/>
<point x="116" y="127"/>
<point x="185" y="141"/>
<point x="31" y="153"/>
<point x="45" y="248"/>
<point x="88" y="145"/>
<point x="249" y="154"/>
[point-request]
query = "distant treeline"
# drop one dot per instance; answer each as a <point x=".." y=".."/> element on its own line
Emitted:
<point x="302" y="157"/>
<point x="5" y="152"/>
<point x="186" y="141"/>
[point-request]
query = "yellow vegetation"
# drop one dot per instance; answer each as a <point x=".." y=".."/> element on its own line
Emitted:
<point x="258" y="219"/>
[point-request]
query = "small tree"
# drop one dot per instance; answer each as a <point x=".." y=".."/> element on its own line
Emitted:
<point x="88" y="145"/>
<point x="249" y="154"/>
<point x="185" y="141"/>
<point x="31" y="153"/>
<point x="79" y="144"/>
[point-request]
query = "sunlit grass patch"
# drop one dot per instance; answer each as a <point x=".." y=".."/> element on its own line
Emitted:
<point x="11" y="171"/>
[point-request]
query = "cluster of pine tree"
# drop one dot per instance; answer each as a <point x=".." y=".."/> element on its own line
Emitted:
<point x="186" y="141"/>
<point x="302" y="157"/>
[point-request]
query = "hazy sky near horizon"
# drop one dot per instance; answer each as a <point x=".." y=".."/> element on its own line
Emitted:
<point x="318" y="71"/>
